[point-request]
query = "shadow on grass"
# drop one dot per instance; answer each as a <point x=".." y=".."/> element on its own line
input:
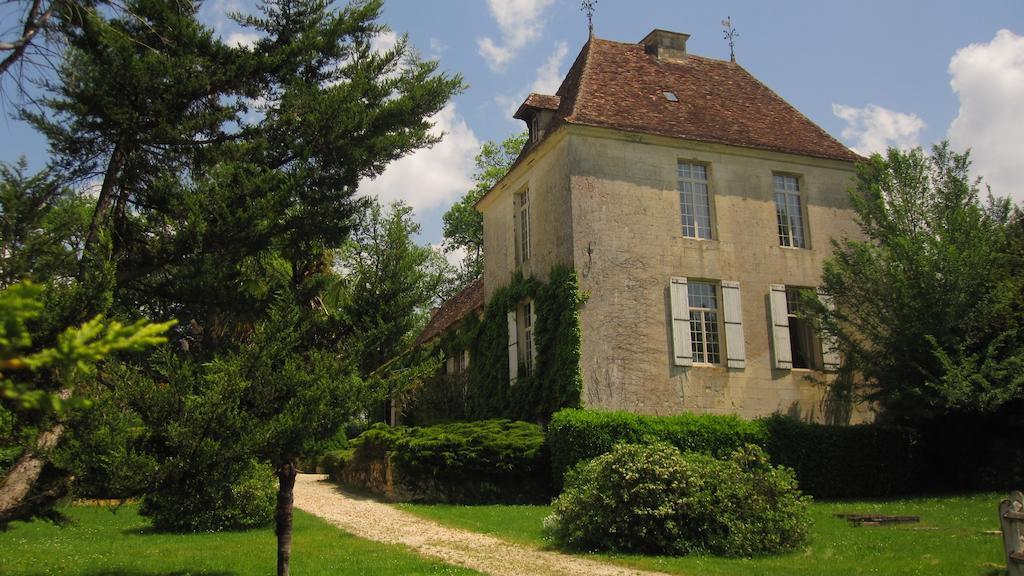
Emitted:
<point x="143" y="572"/>
<point x="151" y="531"/>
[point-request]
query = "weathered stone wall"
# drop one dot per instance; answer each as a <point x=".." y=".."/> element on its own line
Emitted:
<point x="627" y="243"/>
<point x="545" y="173"/>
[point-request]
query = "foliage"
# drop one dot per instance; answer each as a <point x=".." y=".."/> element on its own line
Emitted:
<point x="233" y="496"/>
<point x="952" y="539"/>
<point x="929" y="306"/>
<point x="105" y="447"/>
<point x="42" y="226"/>
<point x="829" y="461"/>
<point x="846" y="461"/>
<point x="556" y="381"/>
<point x="76" y="351"/>
<point x="578" y="435"/>
<point x="463" y="226"/>
<point x="389" y="283"/>
<point x="227" y="178"/>
<point x="656" y="499"/>
<point x="333" y="462"/>
<point x="272" y="401"/>
<point x="483" y="461"/>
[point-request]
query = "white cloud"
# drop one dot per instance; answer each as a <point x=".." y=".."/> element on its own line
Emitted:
<point x="874" y="128"/>
<point x="384" y="41"/>
<point x="496" y="56"/>
<point x="455" y="257"/>
<point x="549" y="77"/>
<point x="437" y="48"/>
<point x="989" y="79"/>
<point x="431" y="177"/>
<point x="549" y="74"/>
<point x="509" y="105"/>
<point x="520" y="23"/>
<point x="242" y="39"/>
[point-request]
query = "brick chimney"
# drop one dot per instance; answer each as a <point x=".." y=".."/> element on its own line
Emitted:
<point x="665" y="45"/>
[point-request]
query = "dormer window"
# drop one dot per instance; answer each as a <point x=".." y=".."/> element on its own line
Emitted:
<point x="535" y="128"/>
<point x="670" y="96"/>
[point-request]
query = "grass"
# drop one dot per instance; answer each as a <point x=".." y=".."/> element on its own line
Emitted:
<point x="948" y="540"/>
<point x="122" y="544"/>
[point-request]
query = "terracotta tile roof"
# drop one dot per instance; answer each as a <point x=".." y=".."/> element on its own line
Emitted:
<point x="537" y="101"/>
<point x="618" y="85"/>
<point x="452" y="310"/>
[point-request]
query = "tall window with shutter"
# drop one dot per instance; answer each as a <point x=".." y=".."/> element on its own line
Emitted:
<point x="796" y="341"/>
<point x="694" y="201"/>
<point x="704" y="332"/>
<point x="789" y="211"/>
<point x="697" y="311"/>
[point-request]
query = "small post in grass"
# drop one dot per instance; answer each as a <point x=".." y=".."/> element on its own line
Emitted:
<point x="1011" y="518"/>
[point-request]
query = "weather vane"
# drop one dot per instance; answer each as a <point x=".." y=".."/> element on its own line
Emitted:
<point x="730" y="34"/>
<point x="588" y="8"/>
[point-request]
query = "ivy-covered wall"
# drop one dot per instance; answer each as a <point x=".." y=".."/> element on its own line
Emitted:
<point x="556" y="381"/>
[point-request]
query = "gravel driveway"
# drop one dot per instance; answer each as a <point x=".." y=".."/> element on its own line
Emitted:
<point x="375" y="521"/>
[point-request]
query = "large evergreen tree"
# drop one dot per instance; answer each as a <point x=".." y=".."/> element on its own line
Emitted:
<point x="226" y="177"/>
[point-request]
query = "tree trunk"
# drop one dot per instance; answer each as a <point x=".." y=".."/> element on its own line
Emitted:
<point x="285" y="497"/>
<point x="22" y="477"/>
<point x="105" y="200"/>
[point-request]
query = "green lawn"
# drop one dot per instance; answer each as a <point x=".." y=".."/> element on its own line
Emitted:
<point x="121" y="544"/>
<point x="949" y="539"/>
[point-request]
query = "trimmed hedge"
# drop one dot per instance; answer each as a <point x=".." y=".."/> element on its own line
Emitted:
<point x="845" y="461"/>
<point x="575" y="435"/>
<point x="464" y="462"/>
<point x="829" y="461"/>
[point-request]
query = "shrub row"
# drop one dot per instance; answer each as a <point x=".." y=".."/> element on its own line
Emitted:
<point x="829" y="461"/>
<point x="465" y="462"/>
<point x="845" y="461"/>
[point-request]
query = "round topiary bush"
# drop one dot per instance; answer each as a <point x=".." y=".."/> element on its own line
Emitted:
<point x="655" y="499"/>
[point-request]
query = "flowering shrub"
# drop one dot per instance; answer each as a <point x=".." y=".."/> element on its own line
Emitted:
<point x="655" y="499"/>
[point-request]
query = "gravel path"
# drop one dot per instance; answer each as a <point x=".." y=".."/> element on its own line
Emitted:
<point x="375" y="521"/>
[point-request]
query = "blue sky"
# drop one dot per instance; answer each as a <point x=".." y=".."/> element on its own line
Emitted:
<point x="872" y="73"/>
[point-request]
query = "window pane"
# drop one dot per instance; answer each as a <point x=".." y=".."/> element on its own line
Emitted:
<point x="694" y="205"/>
<point x="787" y="209"/>
<point x="704" y="336"/>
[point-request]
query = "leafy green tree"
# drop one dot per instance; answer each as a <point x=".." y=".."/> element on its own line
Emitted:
<point x="463" y="225"/>
<point x="928" y="305"/>
<point x="41" y="227"/>
<point x="390" y="283"/>
<point x="42" y="380"/>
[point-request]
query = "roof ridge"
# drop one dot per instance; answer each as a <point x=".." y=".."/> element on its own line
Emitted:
<point x="582" y="60"/>
<point x="794" y="108"/>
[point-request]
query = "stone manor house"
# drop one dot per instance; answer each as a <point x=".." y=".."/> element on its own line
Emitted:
<point x="695" y="205"/>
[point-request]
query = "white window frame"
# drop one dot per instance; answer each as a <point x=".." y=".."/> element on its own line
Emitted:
<point x="705" y="325"/>
<point x="529" y="349"/>
<point x="523" y="245"/>
<point x="692" y="185"/>
<point x="789" y="211"/>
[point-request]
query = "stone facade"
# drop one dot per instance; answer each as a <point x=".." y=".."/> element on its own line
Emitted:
<point x="605" y="200"/>
<point x="607" y="203"/>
